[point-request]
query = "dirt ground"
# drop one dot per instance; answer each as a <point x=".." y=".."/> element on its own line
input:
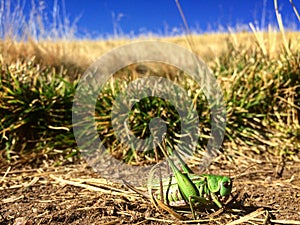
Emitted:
<point x="268" y="192"/>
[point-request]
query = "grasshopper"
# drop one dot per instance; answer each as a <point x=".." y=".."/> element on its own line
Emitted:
<point x="189" y="189"/>
<point x="185" y="190"/>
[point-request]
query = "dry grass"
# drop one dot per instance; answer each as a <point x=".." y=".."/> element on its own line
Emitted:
<point x="267" y="193"/>
<point x="82" y="53"/>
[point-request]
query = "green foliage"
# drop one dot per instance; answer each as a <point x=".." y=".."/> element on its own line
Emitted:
<point x="35" y="105"/>
<point x="262" y="96"/>
<point x="142" y="113"/>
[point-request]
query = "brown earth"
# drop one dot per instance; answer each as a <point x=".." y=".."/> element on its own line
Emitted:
<point x="267" y="192"/>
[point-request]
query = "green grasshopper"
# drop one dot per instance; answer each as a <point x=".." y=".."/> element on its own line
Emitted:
<point x="189" y="189"/>
<point x="186" y="189"/>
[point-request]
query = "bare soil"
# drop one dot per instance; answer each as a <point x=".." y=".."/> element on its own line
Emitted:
<point x="268" y="192"/>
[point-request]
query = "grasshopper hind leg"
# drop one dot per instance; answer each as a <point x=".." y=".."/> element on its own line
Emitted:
<point x="161" y="203"/>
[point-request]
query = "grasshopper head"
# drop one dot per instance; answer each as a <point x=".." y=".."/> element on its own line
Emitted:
<point x="219" y="184"/>
<point x="225" y="186"/>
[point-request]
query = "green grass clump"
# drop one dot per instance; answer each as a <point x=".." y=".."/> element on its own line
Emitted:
<point x="35" y="106"/>
<point x="263" y="97"/>
<point x="140" y="115"/>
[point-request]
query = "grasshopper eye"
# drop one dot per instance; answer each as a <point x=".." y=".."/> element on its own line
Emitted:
<point x="226" y="184"/>
<point x="225" y="188"/>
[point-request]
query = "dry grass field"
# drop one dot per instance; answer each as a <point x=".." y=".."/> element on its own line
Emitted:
<point x="82" y="53"/>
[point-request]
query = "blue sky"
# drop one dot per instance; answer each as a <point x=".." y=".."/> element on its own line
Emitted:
<point x="108" y="17"/>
